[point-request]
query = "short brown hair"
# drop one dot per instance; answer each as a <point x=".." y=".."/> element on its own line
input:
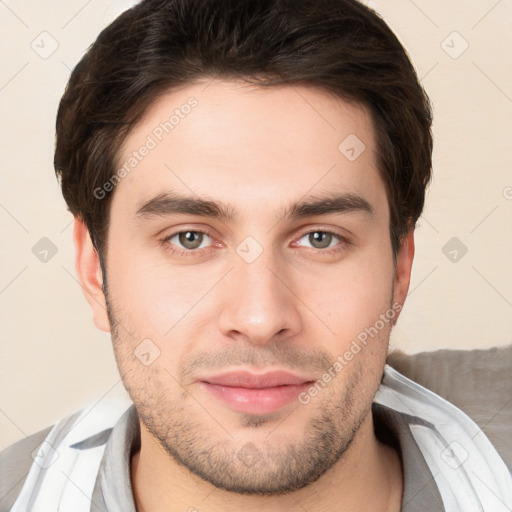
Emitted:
<point x="339" y="46"/>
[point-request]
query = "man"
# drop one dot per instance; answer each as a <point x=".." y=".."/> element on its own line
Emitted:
<point x="245" y="178"/>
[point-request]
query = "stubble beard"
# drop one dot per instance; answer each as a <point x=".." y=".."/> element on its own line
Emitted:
<point x="275" y="466"/>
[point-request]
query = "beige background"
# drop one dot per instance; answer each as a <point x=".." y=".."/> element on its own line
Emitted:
<point x="53" y="360"/>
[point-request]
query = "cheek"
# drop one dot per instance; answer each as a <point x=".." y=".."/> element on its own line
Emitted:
<point x="161" y="301"/>
<point x="352" y="295"/>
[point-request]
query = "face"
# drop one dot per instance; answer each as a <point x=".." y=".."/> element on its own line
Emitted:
<point x="248" y="255"/>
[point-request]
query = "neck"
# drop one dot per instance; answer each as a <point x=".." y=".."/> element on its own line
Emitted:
<point x="367" y="477"/>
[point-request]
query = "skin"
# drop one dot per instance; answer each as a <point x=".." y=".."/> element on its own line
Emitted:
<point x="296" y="307"/>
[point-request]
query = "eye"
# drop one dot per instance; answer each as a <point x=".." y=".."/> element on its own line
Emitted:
<point x="187" y="241"/>
<point x="322" y="239"/>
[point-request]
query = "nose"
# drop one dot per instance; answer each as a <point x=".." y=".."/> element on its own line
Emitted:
<point x="259" y="305"/>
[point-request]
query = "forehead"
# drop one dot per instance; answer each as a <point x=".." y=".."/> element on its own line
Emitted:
<point x="249" y="146"/>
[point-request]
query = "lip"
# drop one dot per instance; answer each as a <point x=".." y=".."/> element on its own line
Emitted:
<point x="245" y="379"/>
<point x="254" y="393"/>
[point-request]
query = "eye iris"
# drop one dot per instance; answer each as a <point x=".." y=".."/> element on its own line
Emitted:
<point x="190" y="239"/>
<point x="320" y="239"/>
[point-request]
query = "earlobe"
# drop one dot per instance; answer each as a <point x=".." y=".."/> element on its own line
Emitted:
<point x="403" y="268"/>
<point x="88" y="268"/>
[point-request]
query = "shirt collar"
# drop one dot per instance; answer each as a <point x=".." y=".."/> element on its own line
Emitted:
<point x="420" y="492"/>
<point x="113" y="489"/>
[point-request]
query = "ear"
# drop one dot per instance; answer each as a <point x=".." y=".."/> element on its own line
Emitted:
<point x="88" y="268"/>
<point x="403" y="268"/>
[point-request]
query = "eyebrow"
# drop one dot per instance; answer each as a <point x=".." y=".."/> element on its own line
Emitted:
<point x="330" y="204"/>
<point x="171" y="204"/>
<point x="166" y="204"/>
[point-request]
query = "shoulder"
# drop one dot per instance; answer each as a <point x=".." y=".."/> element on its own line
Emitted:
<point x="15" y="463"/>
<point x="477" y="382"/>
<point x="33" y="470"/>
<point x="456" y="450"/>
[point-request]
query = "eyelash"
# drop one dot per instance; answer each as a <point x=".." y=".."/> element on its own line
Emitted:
<point x="183" y="252"/>
<point x="344" y="242"/>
